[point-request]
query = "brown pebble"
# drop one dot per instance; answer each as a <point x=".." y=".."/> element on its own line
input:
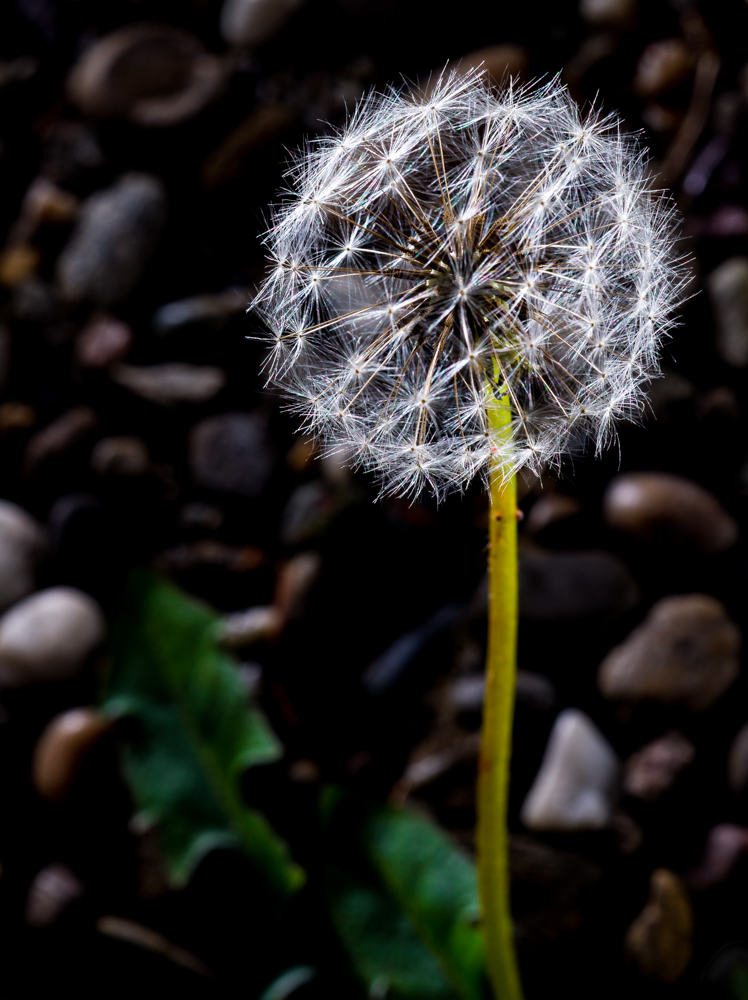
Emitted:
<point x="737" y="761"/>
<point x="52" y="890"/>
<point x="662" y="65"/>
<point x="61" y="748"/>
<point x="103" y="341"/>
<point x="659" y="942"/>
<point x="662" y="506"/>
<point x="17" y="263"/>
<point x="59" y="436"/>
<point x="499" y="61"/>
<point x="46" y="204"/>
<point x="15" y="416"/>
<point x="651" y="771"/>
<point x="120" y="456"/>
<point x="685" y="652"/>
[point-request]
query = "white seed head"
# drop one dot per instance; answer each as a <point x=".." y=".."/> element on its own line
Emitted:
<point x="443" y="251"/>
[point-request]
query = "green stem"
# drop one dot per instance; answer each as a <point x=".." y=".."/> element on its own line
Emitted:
<point x="498" y="710"/>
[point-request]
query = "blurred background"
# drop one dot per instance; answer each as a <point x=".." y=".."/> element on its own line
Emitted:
<point x="141" y="143"/>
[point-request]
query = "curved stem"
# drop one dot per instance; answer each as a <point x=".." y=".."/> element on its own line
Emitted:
<point x="496" y="737"/>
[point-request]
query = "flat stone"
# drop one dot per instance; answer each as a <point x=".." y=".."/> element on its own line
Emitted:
<point x="231" y="453"/>
<point x="21" y="544"/>
<point x="115" y="236"/>
<point x="737" y="761"/>
<point x="651" y="771"/>
<point x="659" y="942"/>
<point x="576" y="786"/>
<point x="59" y="436"/>
<point x="170" y="383"/>
<point x="103" y="341"/>
<point x="660" y="506"/>
<point x="725" y="844"/>
<point x="592" y="586"/>
<point x="685" y="652"/>
<point x="608" y="13"/>
<point x="211" y="311"/>
<point x="51" y="891"/>
<point x="727" y="285"/>
<point x="253" y="22"/>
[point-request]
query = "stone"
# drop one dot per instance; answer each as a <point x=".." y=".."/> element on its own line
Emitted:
<point x="294" y="581"/>
<point x="18" y="263"/>
<point x="660" y="506"/>
<point x="230" y="453"/>
<point x="52" y="890"/>
<point x="49" y="636"/>
<point x="153" y="75"/>
<point x="725" y="844"/>
<point x="266" y="123"/>
<point x="62" y="748"/>
<point x="608" y="13"/>
<point x="685" y="652"/>
<point x="243" y="628"/>
<point x="71" y="150"/>
<point x="59" y="436"/>
<point x="116" y="233"/>
<point x="550" y="508"/>
<point x="737" y="761"/>
<point x="662" y="65"/>
<point x="103" y="341"/>
<point x="590" y="586"/>
<point x="577" y="784"/>
<point x="659" y="942"/>
<point x="651" y="771"/>
<point x="212" y="311"/>
<point x="499" y="61"/>
<point x="120" y="456"/>
<point x="15" y="416"/>
<point x="170" y="383"/>
<point x="254" y="22"/>
<point x="727" y="286"/>
<point x="21" y="545"/>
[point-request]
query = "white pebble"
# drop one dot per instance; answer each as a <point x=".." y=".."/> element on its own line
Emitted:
<point x="21" y="542"/>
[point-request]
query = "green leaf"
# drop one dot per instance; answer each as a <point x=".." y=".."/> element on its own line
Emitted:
<point x="404" y="901"/>
<point x="195" y="734"/>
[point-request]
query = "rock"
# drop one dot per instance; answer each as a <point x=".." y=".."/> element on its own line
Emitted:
<point x="293" y="584"/>
<point x="253" y="22"/>
<point x="231" y="453"/>
<point x="170" y="383"/>
<point x="46" y="204"/>
<point x="53" y="889"/>
<point x="115" y="236"/>
<point x="499" y="61"/>
<point x="48" y="636"/>
<point x="154" y="75"/>
<point x="15" y="416"/>
<point x="62" y="747"/>
<point x="725" y="845"/>
<point x="265" y="124"/>
<point x="34" y="301"/>
<point x="17" y="70"/>
<point x="18" y="263"/>
<point x="120" y="456"/>
<point x="21" y="544"/>
<point x="608" y="13"/>
<point x="576" y="786"/>
<point x="212" y="311"/>
<point x="659" y="942"/>
<point x="71" y="150"/>
<point x="660" y="506"/>
<point x="549" y="509"/>
<point x="651" y="771"/>
<point x="243" y="628"/>
<point x="572" y="586"/>
<point x="534" y="691"/>
<point x="310" y="510"/>
<point x="59" y="436"/>
<point x="685" y="652"/>
<point x="737" y="761"/>
<point x="209" y="552"/>
<point x="662" y="65"/>
<point x="727" y="285"/>
<point x="201" y="516"/>
<point x="103" y="341"/>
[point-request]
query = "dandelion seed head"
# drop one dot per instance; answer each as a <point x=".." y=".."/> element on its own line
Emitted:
<point x="443" y="252"/>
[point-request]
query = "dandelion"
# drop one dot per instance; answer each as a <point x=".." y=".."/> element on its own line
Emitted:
<point x="465" y="283"/>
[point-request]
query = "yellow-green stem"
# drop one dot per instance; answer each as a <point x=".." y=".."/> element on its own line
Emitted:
<point x="496" y="737"/>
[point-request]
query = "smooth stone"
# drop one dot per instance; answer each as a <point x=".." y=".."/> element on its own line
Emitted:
<point x="658" y="506"/>
<point x="651" y="771"/>
<point x="49" y="636"/>
<point x="549" y="509"/>
<point x="212" y="311"/>
<point x="34" y="301"/>
<point x="103" y="341"/>
<point x="737" y="761"/>
<point x="498" y="61"/>
<point x="243" y="628"/>
<point x="154" y="75"/>
<point x="201" y="516"/>
<point x="608" y="13"/>
<point x="659" y="942"/>
<point x="727" y="285"/>
<point x="231" y="453"/>
<point x="170" y="383"/>
<point x="51" y="891"/>
<point x="662" y="65"/>
<point x="310" y="511"/>
<point x="253" y="22"/>
<point x="572" y="586"/>
<point x="685" y="652"/>
<point x="59" y="437"/>
<point x="576" y="786"/>
<point x="294" y="581"/>
<point x="21" y="545"/>
<point x="120" y="456"/>
<point x="725" y="844"/>
<point x="115" y="236"/>
<point x="62" y="748"/>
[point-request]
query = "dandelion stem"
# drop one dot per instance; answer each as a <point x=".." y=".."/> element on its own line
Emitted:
<point x="496" y="739"/>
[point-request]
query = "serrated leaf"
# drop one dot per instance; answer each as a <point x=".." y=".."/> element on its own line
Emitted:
<point x="404" y="901"/>
<point x="195" y="734"/>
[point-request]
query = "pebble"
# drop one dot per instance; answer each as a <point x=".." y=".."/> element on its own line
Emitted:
<point x="62" y="747"/>
<point x="725" y="845"/>
<point x="21" y="545"/>
<point x="45" y="204"/>
<point x="265" y="124"/>
<point x="254" y="22"/>
<point x="651" y="771"/>
<point x="18" y="262"/>
<point x="170" y="383"/>
<point x="34" y="301"/>
<point x="115" y="236"/>
<point x="576" y="786"/>
<point x="212" y="311"/>
<point x="572" y="586"/>
<point x="103" y="341"/>
<point x="71" y="150"/>
<point x="49" y="636"/>
<point x="15" y="416"/>
<point x="662" y="65"/>
<point x="658" y="506"/>
<point x="59" y="436"/>
<point x="209" y="552"/>
<point x="499" y="61"/>
<point x="293" y="584"/>
<point x="201" y="516"/>
<point x="608" y="13"/>
<point x="243" y="628"/>
<point x="52" y="890"/>
<point x="659" y="942"/>
<point x="737" y="761"/>
<point x="120" y="456"/>
<point x="231" y="453"/>
<point x="549" y="509"/>
<point x="727" y="285"/>
<point x="153" y="75"/>
<point x="685" y="652"/>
